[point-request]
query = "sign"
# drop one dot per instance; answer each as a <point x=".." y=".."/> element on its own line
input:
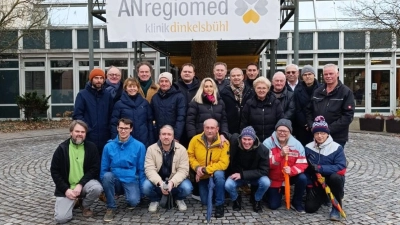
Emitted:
<point x="374" y="86"/>
<point x="187" y="20"/>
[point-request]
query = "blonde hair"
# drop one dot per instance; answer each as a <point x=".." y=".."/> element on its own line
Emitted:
<point x="133" y="81"/>
<point x="262" y="80"/>
<point x="199" y="94"/>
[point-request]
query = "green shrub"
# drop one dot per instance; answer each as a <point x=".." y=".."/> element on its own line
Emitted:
<point x="33" y="105"/>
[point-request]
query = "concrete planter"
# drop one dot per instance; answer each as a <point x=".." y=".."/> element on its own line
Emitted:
<point x="371" y="124"/>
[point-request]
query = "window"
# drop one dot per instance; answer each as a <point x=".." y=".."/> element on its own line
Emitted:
<point x="35" y="81"/>
<point x="380" y="39"/>
<point x="61" y="81"/>
<point x="83" y="39"/>
<point x="354" y="40"/>
<point x="305" y="41"/>
<point x="34" y="39"/>
<point x="355" y="80"/>
<point x="282" y="41"/>
<point x="84" y="72"/>
<point x="61" y="39"/>
<point x="113" y="44"/>
<point x="58" y="111"/>
<point x="328" y="40"/>
<point x="9" y="112"/>
<point x="9" y="86"/>
<point x="9" y="40"/>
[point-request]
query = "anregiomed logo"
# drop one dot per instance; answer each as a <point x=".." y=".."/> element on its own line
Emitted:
<point x="248" y="14"/>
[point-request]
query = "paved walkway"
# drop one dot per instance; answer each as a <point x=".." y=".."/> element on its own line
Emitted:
<point x="371" y="190"/>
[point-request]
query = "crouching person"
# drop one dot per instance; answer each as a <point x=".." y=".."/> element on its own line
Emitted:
<point x="167" y="159"/>
<point x="74" y="169"/>
<point x="122" y="168"/>
<point x="327" y="158"/>
<point x="249" y="164"/>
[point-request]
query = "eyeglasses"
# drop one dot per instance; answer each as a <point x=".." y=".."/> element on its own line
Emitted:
<point x="113" y="74"/>
<point x="282" y="131"/>
<point x="290" y="72"/>
<point x="307" y="74"/>
<point x="124" y="128"/>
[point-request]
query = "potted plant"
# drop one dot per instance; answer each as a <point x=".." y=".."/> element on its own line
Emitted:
<point x="372" y="122"/>
<point x="393" y="122"/>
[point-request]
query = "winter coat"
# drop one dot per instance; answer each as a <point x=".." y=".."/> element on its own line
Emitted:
<point x="197" y="113"/>
<point x="94" y="108"/>
<point x="223" y="84"/>
<point x="60" y="164"/>
<point x="329" y="157"/>
<point x="337" y="107"/>
<point x="154" y="162"/>
<point x="233" y="108"/>
<point x="188" y="93"/>
<point x="251" y="164"/>
<point x="213" y="158"/>
<point x="287" y="102"/>
<point x="169" y="108"/>
<point x="137" y="109"/>
<point x="125" y="160"/>
<point x="262" y="115"/>
<point x="151" y="92"/>
<point x="296" y="159"/>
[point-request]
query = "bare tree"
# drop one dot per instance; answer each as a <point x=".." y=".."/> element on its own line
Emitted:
<point x="204" y="55"/>
<point x="24" y="15"/>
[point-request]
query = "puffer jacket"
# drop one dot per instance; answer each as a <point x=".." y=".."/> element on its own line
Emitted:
<point x="94" y="108"/>
<point x="169" y="108"/>
<point x="262" y="115"/>
<point x="197" y="113"/>
<point x="287" y="103"/>
<point x="213" y="158"/>
<point x="137" y="109"/>
<point x="188" y="93"/>
<point x="296" y="159"/>
<point x="234" y="108"/>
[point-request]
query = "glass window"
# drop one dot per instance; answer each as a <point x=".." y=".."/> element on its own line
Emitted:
<point x="9" y="40"/>
<point x="305" y="62"/>
<point x="282" y="41"/>
<point x="83" y="78"/>
<point x="354" y="55"/>
<point x="354" y="40"/>
<point x="305" y="56"/>
<point x="58" y="111"/>
<point x="34" y="81"/>
<point x="380" y="39"/>
<point x="83" y="39"/>
<point x="328" y="40"/>
<point x="354" y="62"/>
<point x="116" y="63"/>
<point x="381" y="54"/>
<point x="380" y="88"/>
<point x="34" y="39"/>
<point x="86" y="63"/>
<point x="9" y="64"/>
<point x="328" y="55"/>
<point x="398" y="85"/>
<point x="113" y="44"/>
<point x="9" y="112"/>
<point x="323" y="63"/>
<point x="61" y="39"/>
<point x="380" y="62"/>
<point x="61" y="63"/>
<point x="34" y="64"/>
<point x="281" y="56"/>
<point x="9" y="86"/>
<point x="61" y="86"/>
<point x="305" y="41"/>
<point x="9" y="56"/>
<point x="355" y="80"/>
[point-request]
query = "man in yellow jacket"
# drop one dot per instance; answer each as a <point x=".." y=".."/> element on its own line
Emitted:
<point x="209" y="158"/>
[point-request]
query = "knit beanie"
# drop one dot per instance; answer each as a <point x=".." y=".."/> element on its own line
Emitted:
<point x="284" y="122"/>
<point x="96" y="72"/>
<point x="320" y="125"/>
<point x="249" y="132"/>
<point x="307" y="69"/>
<point x="165" y="75"/>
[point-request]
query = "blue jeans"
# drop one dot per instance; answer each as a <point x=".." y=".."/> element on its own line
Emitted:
<point x="219" y="189"/>
<point x="113" y="186"/>
<point x="275" y="194"/>
<point x="154" y="193"/>
<point x="263" y="184"/>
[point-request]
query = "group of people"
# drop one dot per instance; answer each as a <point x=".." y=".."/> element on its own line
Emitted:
<point x="235" y="131"/>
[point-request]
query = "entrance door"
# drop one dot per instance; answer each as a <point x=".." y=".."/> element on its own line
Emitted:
<point x="380" y="90"/>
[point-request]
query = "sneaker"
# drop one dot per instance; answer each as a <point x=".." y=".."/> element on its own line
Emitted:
<point x="219" y="211"/>
<point x="86" y="212"/>
<point x="130" y="207"/>
<point x="335" y="215"/>
<point x="196" y="197"/>
<point x="257" y="207"/>
<point x="153" y="206"/>
<point x="298" y="208"/>
<point x="237" y="204"/>
<point x="181" y="205"/>
<point x="109" y="216"/>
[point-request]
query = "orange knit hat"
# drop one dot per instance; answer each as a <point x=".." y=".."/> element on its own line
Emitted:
<point x="96" y="72"/>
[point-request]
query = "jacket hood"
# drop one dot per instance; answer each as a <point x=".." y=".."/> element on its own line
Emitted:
<point x="132" y="102"/>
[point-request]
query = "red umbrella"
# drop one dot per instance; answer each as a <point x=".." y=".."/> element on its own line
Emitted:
<point x="287" y="184"/>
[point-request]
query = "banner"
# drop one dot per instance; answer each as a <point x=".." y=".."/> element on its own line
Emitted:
<point x="187" y="20"/>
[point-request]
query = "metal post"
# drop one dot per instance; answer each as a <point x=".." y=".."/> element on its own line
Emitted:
<point x="296" y="32"/>
<point x="141" y="52"/>
<point x="135" y="59"/>
<point x="272" y="61"/>
<point x="90" y="35"/>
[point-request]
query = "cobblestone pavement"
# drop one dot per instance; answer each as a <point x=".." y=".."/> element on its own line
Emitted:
<point x="371" y="189"/>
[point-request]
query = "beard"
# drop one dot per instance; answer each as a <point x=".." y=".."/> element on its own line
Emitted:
<point x="77" y="140"/>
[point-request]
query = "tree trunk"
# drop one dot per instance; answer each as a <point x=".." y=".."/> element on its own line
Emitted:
<point x="203" y="57"/>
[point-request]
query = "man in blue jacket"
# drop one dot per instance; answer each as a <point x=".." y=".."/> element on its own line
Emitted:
<point x="93" y="105"/>
<point x="122" y="168"/>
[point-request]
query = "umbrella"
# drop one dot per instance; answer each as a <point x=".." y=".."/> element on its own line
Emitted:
<point x="327" y="189"/>
<point x="211" y="186"/>
<point x="287" y="185"/>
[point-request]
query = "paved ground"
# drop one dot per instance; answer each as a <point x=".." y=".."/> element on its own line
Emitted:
<point x="26" y="193"/>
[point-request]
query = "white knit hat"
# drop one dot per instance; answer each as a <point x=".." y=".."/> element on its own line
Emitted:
<point x="165" y="75"/>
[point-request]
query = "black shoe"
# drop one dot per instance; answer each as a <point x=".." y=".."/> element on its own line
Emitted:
<point x="219" y="211"/>
<point x="257" y="206"/>
<point x="253" y="189"/>
<point x="237" y="204"/>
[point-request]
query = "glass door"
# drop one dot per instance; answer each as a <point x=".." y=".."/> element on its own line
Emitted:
<point x="380" y="90"/>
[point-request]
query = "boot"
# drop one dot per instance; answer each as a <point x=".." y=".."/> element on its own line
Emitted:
<point x="257" y="207"/>
<point x="237" y="204"/>
<point x="253" y="190"/>
<point x="219" y="211"/>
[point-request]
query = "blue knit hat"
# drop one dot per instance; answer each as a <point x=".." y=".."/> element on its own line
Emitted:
<point x="320" y="125"/>
<point x="249" y="132"/>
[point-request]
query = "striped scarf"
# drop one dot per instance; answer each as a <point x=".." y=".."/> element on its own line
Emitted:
<point x="238" y="92"/>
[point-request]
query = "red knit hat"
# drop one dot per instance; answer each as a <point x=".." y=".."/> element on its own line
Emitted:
<point x="96" y="72"/>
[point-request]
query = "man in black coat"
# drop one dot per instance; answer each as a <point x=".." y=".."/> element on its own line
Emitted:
<point x="114" y="84"/>
<point x="220" y="69"/>
<point x="249" y="164"/>
<point x="292" y="76"/>
<point x="283" y="95"/>
<point x="74" y="168"/>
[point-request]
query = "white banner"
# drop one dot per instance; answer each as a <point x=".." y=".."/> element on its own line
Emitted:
<point x="186" y="20"/>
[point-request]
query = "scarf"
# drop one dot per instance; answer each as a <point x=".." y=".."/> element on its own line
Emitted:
<point x="210" y="98"/>
<point x="238" y="92"/>
<point x="112" y="88"/>
<point x="145" y="85"/>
